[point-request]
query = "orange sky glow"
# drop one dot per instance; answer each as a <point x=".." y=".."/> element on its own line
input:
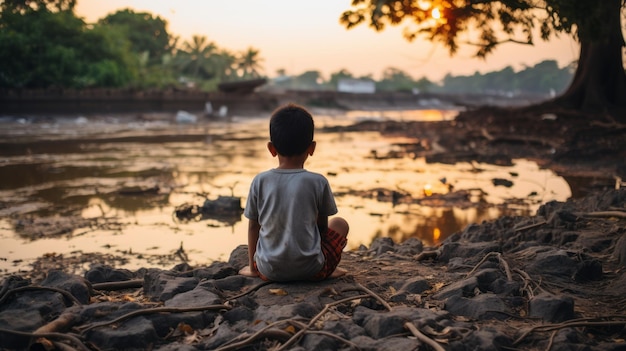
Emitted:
<point x="298" y="36"/>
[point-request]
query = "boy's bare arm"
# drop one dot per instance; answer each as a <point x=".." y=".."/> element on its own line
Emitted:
<point x="253" y="237"/>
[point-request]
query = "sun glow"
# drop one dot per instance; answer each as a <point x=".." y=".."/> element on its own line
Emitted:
<point x="436" y="235"/>
<point x="436" y="13"/>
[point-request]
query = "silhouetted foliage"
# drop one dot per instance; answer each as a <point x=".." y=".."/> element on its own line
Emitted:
<point x="599" y="82"/>
<point x="147" y="34"/>
<point x="40" y="48"/>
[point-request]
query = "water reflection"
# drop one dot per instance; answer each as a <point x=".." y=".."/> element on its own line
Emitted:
<point x="124" y="182"/>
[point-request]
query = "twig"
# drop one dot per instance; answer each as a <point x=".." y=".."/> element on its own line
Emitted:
<point x="503" y="262"/>
<point x="424" y="255"/>
<point x="297" y="335"/>
<point x="254" y="288"/>
<point x="65" y="336"/>
<point x="551" y="340"/>
<point x="423" y="338"/>
<point x="249" y="339"/>
<point x="530" y="226"/>
<point x="582" y="322"/>
<point x="527" y="279"/>
<point x="154" y="310"/>
<point x="325" y="333"/>
<point x="373" y="294"/>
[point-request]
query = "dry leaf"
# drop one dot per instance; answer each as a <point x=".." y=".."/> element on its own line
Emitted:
<point x="438" y="286"/>
<point x="279" y="292"/>
<point x="185" y="328"/>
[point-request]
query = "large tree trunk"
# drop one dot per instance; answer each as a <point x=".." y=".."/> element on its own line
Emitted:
<point x="599" y="83"/>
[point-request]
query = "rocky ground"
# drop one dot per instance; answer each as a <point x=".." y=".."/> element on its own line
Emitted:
<point x="552" y="281"/>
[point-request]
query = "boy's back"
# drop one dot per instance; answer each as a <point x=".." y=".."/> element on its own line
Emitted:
<point x="289" y="234"/>
<point x="286" y="203"/>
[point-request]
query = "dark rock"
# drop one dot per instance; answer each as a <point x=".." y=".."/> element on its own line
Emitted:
<point x="568" y="237"/>
<point x="382" y="245"/>
<point x="619" y="252"/>
<point x="344" y="328"/>
<point x="458" y="288"/>
<point x="222" y="335"/>
<point x="102" y="273"/>
<point x="107" y="310"/>
<point x="197" y="297"/>
<point x="382" y="324"/>
<point x="20" y="320"/>
<point x="493" y="280"/>
<point x="551" y="308"/>
<point x="550" y="261"/>
<point x="471" y="251"/>
<point x="217" y="270"/>
<point x="485" y="339"/>
<point x="587" y="270"/>
<point x="232" y="283"/>
<point x="239" y="313"/>
<point x="319" y="342"/>
<point x="415" y="285"/>
<point x="483" y="306"/>
<point x="164" y="323"/>
<point x="239" y="257"/>
<point x="162" y="286"/>
<point x="181" y="268"/>
<point x="410" y="247"/>
<point x="73" y="284"/>
<point x="275" y="313"/>
<point x="457" y="263"/>
<point x="176" y="346"/>
<point x="388" y="344"/>
<point x="136" y="333"/>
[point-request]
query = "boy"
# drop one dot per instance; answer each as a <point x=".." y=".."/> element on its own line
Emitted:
<point x="289" y="234"/>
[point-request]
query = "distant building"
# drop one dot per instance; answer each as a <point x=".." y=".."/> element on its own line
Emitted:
<point x="356" y="86"/>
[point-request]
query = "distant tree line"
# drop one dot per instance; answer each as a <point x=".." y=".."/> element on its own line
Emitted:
<point x="43" y="44"/>
<point x="545" y="77"/>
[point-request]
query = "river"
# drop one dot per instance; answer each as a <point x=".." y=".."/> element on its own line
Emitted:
<point x="110" y="184"/>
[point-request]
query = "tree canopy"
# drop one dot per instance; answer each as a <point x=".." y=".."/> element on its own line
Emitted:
<point x="599" y="81"/>
<point x="145" y="32"/>
<point x="42" y="48"/>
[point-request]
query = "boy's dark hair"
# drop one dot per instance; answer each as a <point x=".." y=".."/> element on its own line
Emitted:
<point x="291" y="130"/>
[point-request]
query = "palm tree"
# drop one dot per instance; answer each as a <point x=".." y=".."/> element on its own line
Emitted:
<point x="195" y="58"/>
<point x="249" y="63"/>
<point x="224" y="64"/>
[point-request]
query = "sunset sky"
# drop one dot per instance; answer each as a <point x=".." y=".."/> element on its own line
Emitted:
<point x="306" y="35"/>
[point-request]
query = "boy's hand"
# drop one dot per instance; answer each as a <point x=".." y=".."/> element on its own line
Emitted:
<point x="249" y="272"/>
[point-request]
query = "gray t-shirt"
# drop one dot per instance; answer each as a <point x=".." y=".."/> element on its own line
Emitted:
<point x="286" y="202"/>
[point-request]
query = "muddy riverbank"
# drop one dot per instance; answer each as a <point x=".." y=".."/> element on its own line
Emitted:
<point x="553" y="279"/>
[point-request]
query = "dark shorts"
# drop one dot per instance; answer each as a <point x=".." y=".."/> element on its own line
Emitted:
<point x="333" y="244"/>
